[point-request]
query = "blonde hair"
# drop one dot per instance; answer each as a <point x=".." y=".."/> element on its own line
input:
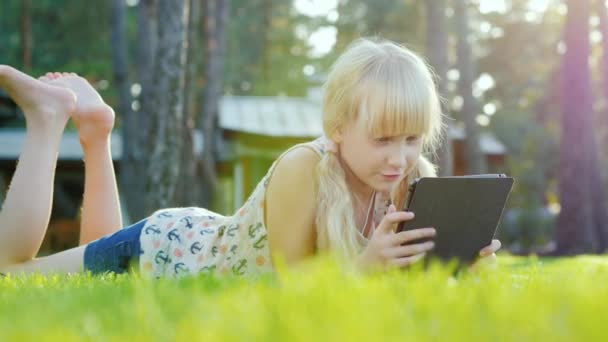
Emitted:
<point x="396" y="91"/>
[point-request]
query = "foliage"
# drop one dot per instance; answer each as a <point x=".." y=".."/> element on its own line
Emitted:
<point x="524" y="299"/>
<point x="532" y="160"/>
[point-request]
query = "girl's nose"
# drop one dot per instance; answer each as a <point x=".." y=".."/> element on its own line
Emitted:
<point x="398" y="158"/>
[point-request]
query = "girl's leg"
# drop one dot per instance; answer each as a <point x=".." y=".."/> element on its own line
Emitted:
<point x="117" y="253"/>
<point x="68" y="261"/>
<point x="94" y="120"/>
<point x="26" y="210"/>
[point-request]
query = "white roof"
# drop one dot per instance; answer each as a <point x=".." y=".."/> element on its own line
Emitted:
<point x="272" y="116"/>
<point x="11" y="142"/>
<point x="12" y="139"/>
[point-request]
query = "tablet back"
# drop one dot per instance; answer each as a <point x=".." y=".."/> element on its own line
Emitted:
<point x="465" y="212"/>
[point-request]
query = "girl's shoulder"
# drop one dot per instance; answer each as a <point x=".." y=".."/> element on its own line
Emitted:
<point x="301" y="156"/>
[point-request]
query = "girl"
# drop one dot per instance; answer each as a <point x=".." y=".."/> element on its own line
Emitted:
<point x="335" y="194"/>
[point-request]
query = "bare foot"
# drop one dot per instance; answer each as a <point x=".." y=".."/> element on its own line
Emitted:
<point x="45" y="106"/>
<point x="93" y="118"/>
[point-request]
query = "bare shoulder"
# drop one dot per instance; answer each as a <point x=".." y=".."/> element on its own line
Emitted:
<point x="290" y="205"/>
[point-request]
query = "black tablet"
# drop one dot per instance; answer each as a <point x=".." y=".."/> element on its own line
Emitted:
<point x="464" y="210"/>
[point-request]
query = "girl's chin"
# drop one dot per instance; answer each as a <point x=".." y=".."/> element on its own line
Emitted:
<point x="385" y="187"/>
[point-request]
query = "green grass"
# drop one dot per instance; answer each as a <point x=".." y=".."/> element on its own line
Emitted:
<point x="523" y="299"/>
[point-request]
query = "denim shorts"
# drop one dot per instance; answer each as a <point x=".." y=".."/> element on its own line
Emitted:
<point x="116" y="253"/>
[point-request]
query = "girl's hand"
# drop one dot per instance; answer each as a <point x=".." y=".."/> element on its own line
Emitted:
<point x="385" y="249"/>
<point x="487" y="256"/>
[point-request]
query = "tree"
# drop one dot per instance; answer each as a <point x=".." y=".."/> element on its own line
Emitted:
<point x="136" y="154"/>
<point x="575" y="222"/>
<point x="190" y="186"/>
<point x="120" y="61"/>
<point x="215" y="15"/>
<point x="26" y="34"/>
<point x="121" y="80"/>
<point x="474" y="157"/>
<point x="598" y="183"/>
<point x="437" y="50"/>
<point x="167" y="96"/>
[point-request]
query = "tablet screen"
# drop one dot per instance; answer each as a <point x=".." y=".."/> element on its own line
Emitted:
<point x="465" y="212"/>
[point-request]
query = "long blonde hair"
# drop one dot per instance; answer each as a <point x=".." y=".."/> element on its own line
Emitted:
<point x="396" y="88"/>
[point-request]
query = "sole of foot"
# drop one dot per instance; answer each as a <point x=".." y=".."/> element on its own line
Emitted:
<point x="42" y="104"/>
<point x="93" y="118"/>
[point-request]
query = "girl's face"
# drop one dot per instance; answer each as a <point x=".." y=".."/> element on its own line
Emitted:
<point x="380" y="163"/>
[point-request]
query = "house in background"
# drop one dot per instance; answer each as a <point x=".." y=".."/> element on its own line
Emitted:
<point x="255" y="130"/>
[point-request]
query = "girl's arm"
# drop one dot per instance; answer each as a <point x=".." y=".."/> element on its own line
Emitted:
<point x="290" y="206"/>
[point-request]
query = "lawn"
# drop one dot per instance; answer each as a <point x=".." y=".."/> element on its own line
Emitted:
<point x="522" y="299"/>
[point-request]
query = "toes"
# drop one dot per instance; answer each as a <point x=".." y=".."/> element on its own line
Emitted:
<point x="56" y="75"/>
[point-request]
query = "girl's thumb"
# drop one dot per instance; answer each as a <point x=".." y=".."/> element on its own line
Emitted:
<point x="391" y="209"/>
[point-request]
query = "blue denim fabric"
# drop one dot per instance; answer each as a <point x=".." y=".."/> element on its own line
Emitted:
<point x="114" y="253"/>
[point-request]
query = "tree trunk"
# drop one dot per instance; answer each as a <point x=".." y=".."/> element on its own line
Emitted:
<point x="603" y="27"/>
<point x="575" y="221"/>
<point x="190" y="185"/>
<point x="119" y="65"/>
<point x="119" y="57"/>
<point x="600" y="207"/>
<point x="266" y="45"/>
<point x="26" y="34"/>
<point x="166" y="134"/>
<point x="437" y="48"/>
<point x="216" y="12"/>
<point x="136" y="126"/>
<point x="474" y="157"/>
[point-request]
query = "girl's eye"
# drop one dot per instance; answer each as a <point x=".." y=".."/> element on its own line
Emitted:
<point x="413" y="139"/>
<point x="383" y="139"/>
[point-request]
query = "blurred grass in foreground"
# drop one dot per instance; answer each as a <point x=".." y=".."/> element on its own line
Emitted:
<point x="523" y="299"/>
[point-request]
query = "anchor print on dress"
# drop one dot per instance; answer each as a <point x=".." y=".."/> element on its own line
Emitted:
<point x="259" y="244"/>
<point x="162" y="258"/>
<point x="233" y="228"/>
<point x="152" y="229"/>
<point x="180" y="267"/>
<point x="164" y="214"/>
<point x="253" y="230"/>
<point x="208" y="269"/>
<point x="207" y="231"/>
<point x="196" y="247"/>
<point x="188" y="221"/>
<point x="173" y="235"/>
<point x="240" y="267"/>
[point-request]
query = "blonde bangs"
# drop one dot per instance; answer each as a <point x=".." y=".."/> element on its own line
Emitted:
<point x="393" y="101"/>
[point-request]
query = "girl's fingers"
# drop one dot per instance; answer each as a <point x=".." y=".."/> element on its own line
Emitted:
<point x="402" y="262"/>
<point x="393" y="218"/>
<point x="492" y="248"/>
<point x="414" y="234"/>
<point x="409" y="250"/>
